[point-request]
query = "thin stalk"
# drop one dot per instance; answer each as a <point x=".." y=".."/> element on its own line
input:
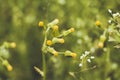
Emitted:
<point x="43" y="54"/>
<point x="107" y="62"/>
<point x="44" y="65"/>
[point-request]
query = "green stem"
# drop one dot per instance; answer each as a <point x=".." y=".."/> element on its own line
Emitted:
<point x="44" y="65"/>
<point x="43" y="53"/>
<point x="107" y="62"/>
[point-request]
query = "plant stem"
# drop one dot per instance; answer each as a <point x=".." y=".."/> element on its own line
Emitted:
<point x="44" y="65"/>
<point x="43" y="53"/>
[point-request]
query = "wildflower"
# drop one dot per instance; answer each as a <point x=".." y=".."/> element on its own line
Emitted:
<point x="65" y="33"/>
<point x="109" y="21"/>
<point x="49" y="42"/>
<point x="71" y="29"/>
<point x="61" y="40"/>
<point x="9" y="68"/>
<point x="100" y="44"/>
<point x="116" y="15"/>
<point x="110" y="11"/>
<point x="80" y="65"/>
<point x="92" y="57"/>
<point x="41" y="24"/>
<point x="13" y="44"/>
<point x="52" y="51"/>
<point x="87" y="52"/>
<point x="55" y="53"/>
<point x="57" y="40"/>
<point x="73" y="55"/>
<point x="55" y="28"/>
<point x="98" y="23"/>
<point x="89" y="60"/>
<point x="7" y="65"/>
<point x="69" y="53"/>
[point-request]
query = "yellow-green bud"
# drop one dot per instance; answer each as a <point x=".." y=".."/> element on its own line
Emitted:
<point x="7" y="65"/>
<point x="54" y="22"/>
<point x="100" y="45"/>
<point x="102" y="38"/>
<point x="57" y="40"/>
<point x="69" y="53"/>
<point x="52" y="51"/>
<point x="55" y="28"/>
<point x="65" y="33"/>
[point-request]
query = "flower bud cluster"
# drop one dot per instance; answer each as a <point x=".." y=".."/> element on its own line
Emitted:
<point x="48" y="43"/>
<point x="4" y="54"/>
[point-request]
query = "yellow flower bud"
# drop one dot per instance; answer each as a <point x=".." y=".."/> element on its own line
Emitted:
<point x="73" y="55"/>
<point x="52" y="51"/>
<point x="55" y="53"/>
<point x="55" y="28"/>
<point x="97" y="23"/>
<point x="41" y="24"/>
<point x="100" y="45"/>
<point x="13" y="44"/>
<point x="69" y="53"/>
<point x="61" y="40"/>
<point x="57" y="40"/>
<point x="9" y="68"/>
<point x="71" y="29"/>
<point x="7" y="65"/>
<point x="49" y="42"/>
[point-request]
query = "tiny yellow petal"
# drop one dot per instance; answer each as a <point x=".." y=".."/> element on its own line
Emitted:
<point x="41" y="24"/>
<point x="55" y="53"/>
<point x="49" y="42"/>
<point x="13" y="44"/>
<point x="55" y="28"/>
<point x="73" y="55"/>
<point x="100" y="44"/>
<point x="62" y="40"/>
<point x="72" y="29"/>
<point x="9" y="68"/>
<point x="98" y="23"/>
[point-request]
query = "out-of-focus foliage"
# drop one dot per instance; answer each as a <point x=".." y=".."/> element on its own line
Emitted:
<point x="19" y="23"/>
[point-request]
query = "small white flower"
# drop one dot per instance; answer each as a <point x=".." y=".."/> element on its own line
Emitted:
<point x="89" y="60"/>
<point x="80" y="65"/>
<point x="81" y="57"/>
<point x="87" y="52"/>
<point x="109" y="21"/>
<point x="92" y="57"/>
<point x="110" y="11"/>
<point x="116" y="14"/>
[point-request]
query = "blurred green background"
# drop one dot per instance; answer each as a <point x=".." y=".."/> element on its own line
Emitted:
<point x="19" y="23"/>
